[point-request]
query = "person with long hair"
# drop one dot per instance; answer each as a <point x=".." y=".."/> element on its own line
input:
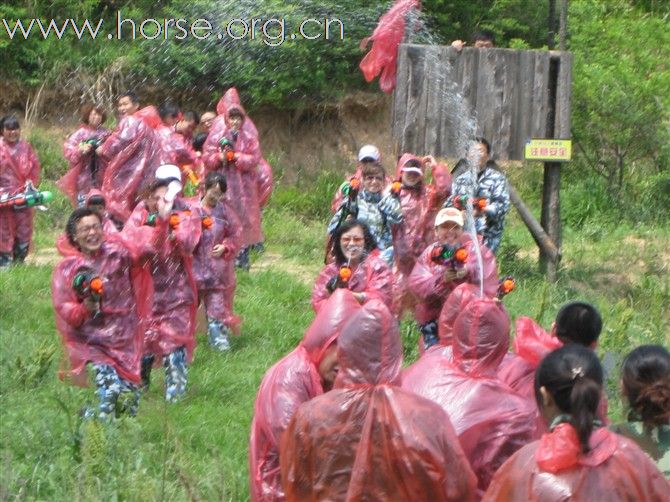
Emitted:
<point x="578" y="459"/>
<point x="87" y="169"/>
<point x="357" y="267"/>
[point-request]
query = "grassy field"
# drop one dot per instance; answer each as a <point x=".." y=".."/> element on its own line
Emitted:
<point x="197" y="449"/>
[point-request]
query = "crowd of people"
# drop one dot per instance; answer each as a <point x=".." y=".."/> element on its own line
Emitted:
<point x="338" y="418"/>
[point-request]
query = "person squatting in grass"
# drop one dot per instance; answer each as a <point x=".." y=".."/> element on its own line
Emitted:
<point x="378" y="210"/>
<point x="101" y="297"/>
<point x="448" y="262"/>
<point x="87" y="169"/>
<point x="213" y="260"/>
<point x="18" y="165"/>
<point x="357" y="267"/>
<point x="578" y="459"/>
<point x="170" y="337"/>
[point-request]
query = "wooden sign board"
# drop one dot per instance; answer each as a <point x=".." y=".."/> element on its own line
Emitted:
<point x="549" y="150"/>
<point x="443" y="97"/>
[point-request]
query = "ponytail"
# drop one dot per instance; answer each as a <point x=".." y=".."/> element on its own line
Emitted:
<point x="584" y="399"/>
<point x="574" y="378"/>
<point x="646" y="384"/>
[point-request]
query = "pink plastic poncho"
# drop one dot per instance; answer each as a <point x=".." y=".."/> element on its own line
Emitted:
<point x="215" y="277"/>
<point x="491" y="421"/>
<point x="368" y="439"/>
<point x="176" y="149"/>
<point x="290" y="382"/>
<point x="372" y="276"/>
<point x="133" y="154"/>
<point x="427" y="278"/>
<point x="385" y="41"/>
<point x="420" y="205"/>
<point x="531" y="344"/>
<point x="265" y="180"/>
<point x="80" y="177"/>
<point x="172" y="323"/>
<point x="555" y="469"/>
<point x="114" y="338"/>
<point x="241" y="175"/>
<point x="18" y="164"/>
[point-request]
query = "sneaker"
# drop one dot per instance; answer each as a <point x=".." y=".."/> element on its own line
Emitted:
<point x="5" y="260"/>
<point x="219" y="336"/>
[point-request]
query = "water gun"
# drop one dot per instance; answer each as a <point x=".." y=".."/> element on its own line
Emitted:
<point x="207" y="222"/>
<point x="341" y="280"/>
<point x="396" y="186"/>
<point x="174" y="220"/>
<point x="151" y="219"/>
<point x="94" y="142"/>
<point x="227" y="147"/>
<point x="505" y="287"/>
<point x="87" y="284"/>
<point x="30" y="197"/>
<point x="190" y="174"/>
<point x="351" y="188"/>
<point x="444" y="254"/>
<point x="461" y="202"/>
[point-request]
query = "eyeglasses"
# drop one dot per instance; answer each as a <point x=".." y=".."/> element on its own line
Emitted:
<point x="87" y="229"/>
<point x="374" y="178"/>
<point x="351" y="240"/>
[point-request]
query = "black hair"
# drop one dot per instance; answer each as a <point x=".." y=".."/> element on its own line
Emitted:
<point x="168" y="110"/>
<point x="574" y="378"/>
<point x="235" y="112"/>
<point x="484" y="35"/>
<point x="154" y="185"/>
<point x="192" y="116"/>
<point x="412" y="163"/>
<point x="480" y="140"/>
<point x="134" y="98"/>
<point x="372" y="168"/>
<point x="96" y="200"/>
<point x="214" y="178"/>
<point x="9" y="122"/>
<point x="198" y="141"/>
<point x="578" y="322"/>
<point x="369" y="241"/>
<point x="73" y="220"/>
<point x="646" y="384"/>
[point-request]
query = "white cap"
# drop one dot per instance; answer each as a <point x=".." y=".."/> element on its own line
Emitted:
<point x="449" y="214"/>
<point x="412" y="169"/>
<point x="167" y="171"/>
<point x="369" y="152"/>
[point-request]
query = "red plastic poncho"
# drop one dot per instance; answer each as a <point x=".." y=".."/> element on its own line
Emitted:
<point x="492" y="422"/>
<point x="265" y="181"/>
<point x="427" y="278"/>
<point x="372" y="276"/>
<point x="241" y="176"/>
<point x="176" y="149"/>
<point x="385" y="41"/>
<point x="420" y="205"/>
<point x="116" y="337"/>
<point x="531" y="344"/>
<point x="554" y="468"/>
<point x="175" y="302"/>
<point x="290" y="382"/>
<point x="18" y="164"/>
<point x="368" y="439"/>
<point x="79" y="179"/>
<point x="215" y="277"/>
<point x="133" y="154"/>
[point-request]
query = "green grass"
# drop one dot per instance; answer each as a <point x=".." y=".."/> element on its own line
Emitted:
<point x="197" y="450"/>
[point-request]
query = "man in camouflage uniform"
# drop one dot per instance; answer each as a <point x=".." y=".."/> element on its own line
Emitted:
<point x="489" y="184"/>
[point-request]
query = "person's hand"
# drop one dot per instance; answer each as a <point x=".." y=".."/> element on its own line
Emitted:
<point x="85" y="147"/>
<point x="164" y="208"/>
<point x="91" y="304"/>
<point x="458" y="45"/>
<point x="429" y="161"/>
<point x="98" y="151"/>
<point x="218" y="250"/>
<point x="449" y="275"/>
